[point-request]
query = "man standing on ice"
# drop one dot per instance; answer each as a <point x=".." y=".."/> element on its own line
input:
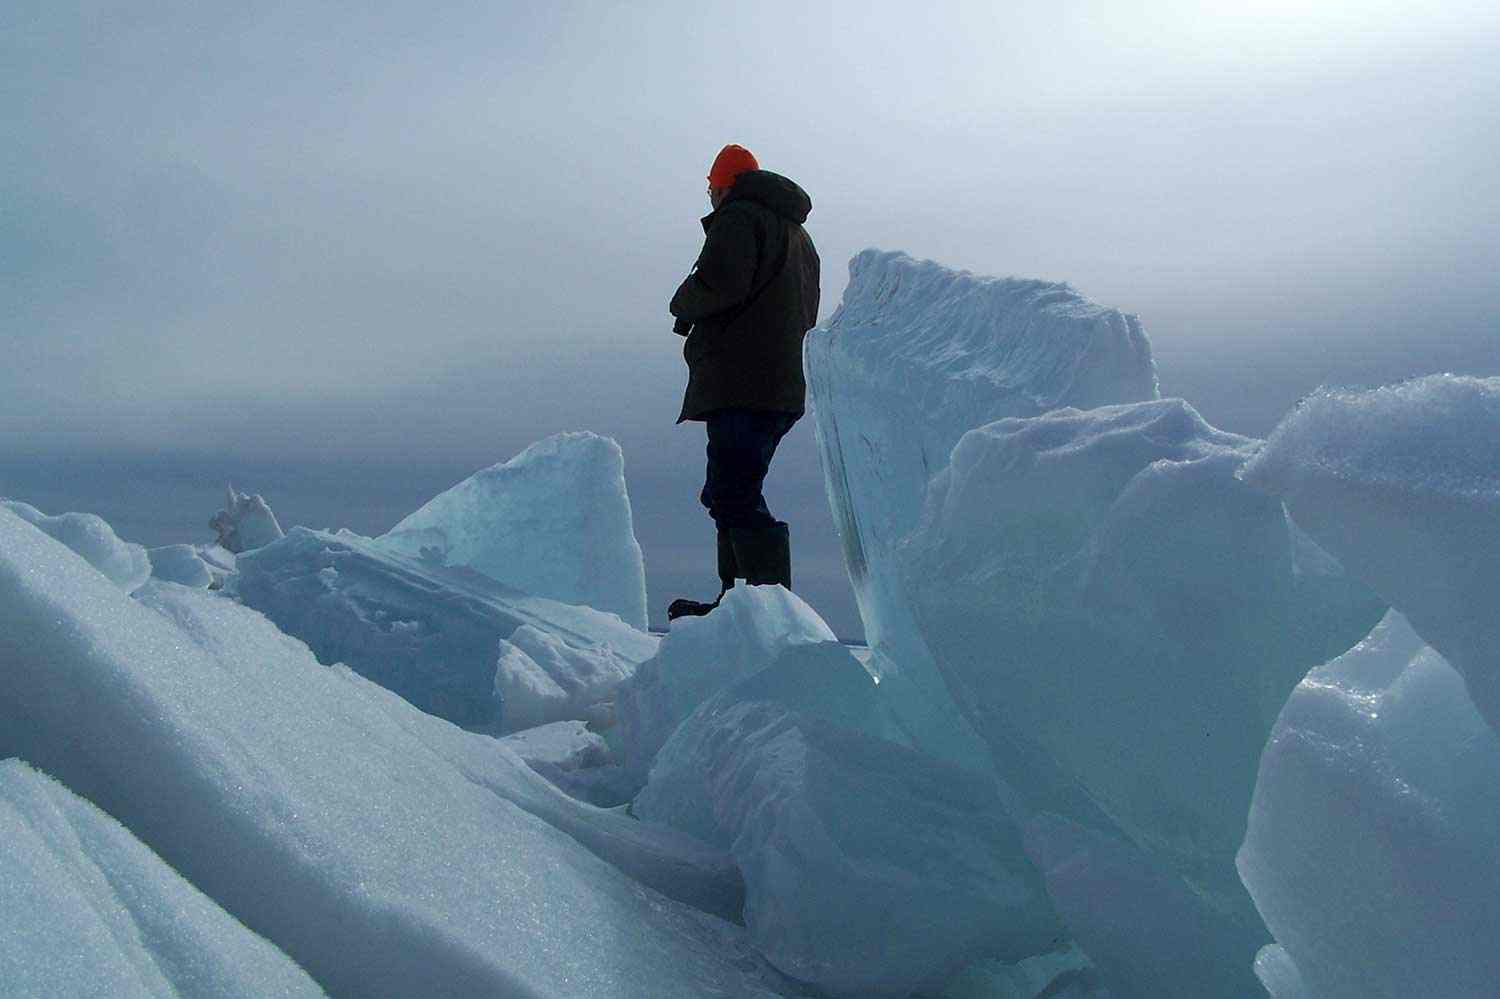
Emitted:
<point x="744" y="309"/>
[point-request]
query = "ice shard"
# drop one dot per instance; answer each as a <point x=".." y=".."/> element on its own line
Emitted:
<point x="916" y="356"/>
<point x="1371" y="848"/>
<point x="429" y="632"/>
<point x="554" y="521"/>
<point x="1402" y="483"/>
<point x="384" y="850"/>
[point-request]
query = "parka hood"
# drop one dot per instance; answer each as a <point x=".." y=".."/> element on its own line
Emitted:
<point x="780" y="194"/>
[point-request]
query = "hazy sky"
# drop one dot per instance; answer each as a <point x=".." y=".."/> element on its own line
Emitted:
<point x="233" y="224"/>
<point x="345" y="253"/>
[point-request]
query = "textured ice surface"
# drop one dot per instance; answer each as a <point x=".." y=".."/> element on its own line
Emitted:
<point x="431" y="633"/>
<point x="553" y="521"/>
<point x="1123" y="618"/>
<point x="539" y="678"/>
<point x="1279" y="975"/>
<point x="1060" y="568"/>
<point x="702" y="655"/>
<point x="87" y="910"/>
<point x="1371" y="848"/>
<point x="384" y="850"/>
<point x="566" y="745"/>
<point x="1045" y="551"/>
<point x="915" y="356"/>
<point x="180" y="564"/>
<point x="1065" y="973"/>
<point x="126" y="565"/>
<point x="870" y="868"/>
<point x="1402" y="483"/>
<point x="1150" y="935"/>
<point x="245" y="523"/>
<point x="576" y="759"/>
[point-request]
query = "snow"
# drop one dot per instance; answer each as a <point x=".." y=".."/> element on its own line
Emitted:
<point x="126" y="565"/>
<point x="384" y="850"/>
<point x="700" y="656"/>
<point x="1126" y="622"/>
<point x="1371" y="848"/>
<point x="245" y="523"/>
<point x="870" y="869"/>
<point x="916" y="356"/>
<point x="553" y="521"/>
<point x="180" y="564"/>
<point x="434" y="633"/>
<point x="87" y="910"/>
<point x="1402" y="483"/>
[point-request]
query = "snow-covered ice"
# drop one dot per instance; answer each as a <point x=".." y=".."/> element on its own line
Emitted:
<point x="702" y="655"/>
<point x="384" y="850"/>
<point x="433" y="633"/>
<point x="1402" y="483"/>
<point x="1371" y="849"/>
<point x="554" y="521"/>
<point x="180" y="564"/>
<point x="870" y="868"/>
<point x="125" y="564"/>
<point x="245" y="523"/>
<point x="86" y="910"/>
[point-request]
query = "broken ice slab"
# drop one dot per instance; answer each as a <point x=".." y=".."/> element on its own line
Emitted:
<point x="429" y="632"/>
<point x="1402" y="483"/>
<point x="384" y="850"/>
<point x="1371" y="848"/>
<point x="553" y="521"/>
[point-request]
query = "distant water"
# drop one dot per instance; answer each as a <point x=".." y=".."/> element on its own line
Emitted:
<point x="163" y="498"/>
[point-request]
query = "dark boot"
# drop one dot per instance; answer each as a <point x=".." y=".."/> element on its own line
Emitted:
<point x="763" y="554"/>
<point x="728" y="568"/>
<point x="683" y="607"/>
<point x="728" y="571"/>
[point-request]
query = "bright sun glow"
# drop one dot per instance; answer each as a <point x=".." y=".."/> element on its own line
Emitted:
<point x="1272" y="32"/>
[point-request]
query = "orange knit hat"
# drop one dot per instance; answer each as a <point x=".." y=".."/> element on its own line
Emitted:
<point x="732" y="161"/>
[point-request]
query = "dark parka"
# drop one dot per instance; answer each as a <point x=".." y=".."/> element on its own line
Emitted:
<point x="751" y="298"/>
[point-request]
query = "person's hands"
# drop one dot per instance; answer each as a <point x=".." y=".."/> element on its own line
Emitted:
<point x="682" y="327"/>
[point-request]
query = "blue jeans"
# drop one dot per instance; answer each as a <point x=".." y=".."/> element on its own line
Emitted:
<point x="741" y="443"/>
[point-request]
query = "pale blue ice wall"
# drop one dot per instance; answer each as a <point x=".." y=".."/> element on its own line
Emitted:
<point x="1085" y="592"/>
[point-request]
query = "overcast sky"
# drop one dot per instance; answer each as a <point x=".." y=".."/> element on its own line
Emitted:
<point x="242" y="225"/>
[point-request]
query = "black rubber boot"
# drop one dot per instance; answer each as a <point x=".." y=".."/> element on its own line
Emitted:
<point x="728" y="571"/>
<point x="728" y="568"/>
<point x="763" y="555"/>
<point x="683" y="607"/>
